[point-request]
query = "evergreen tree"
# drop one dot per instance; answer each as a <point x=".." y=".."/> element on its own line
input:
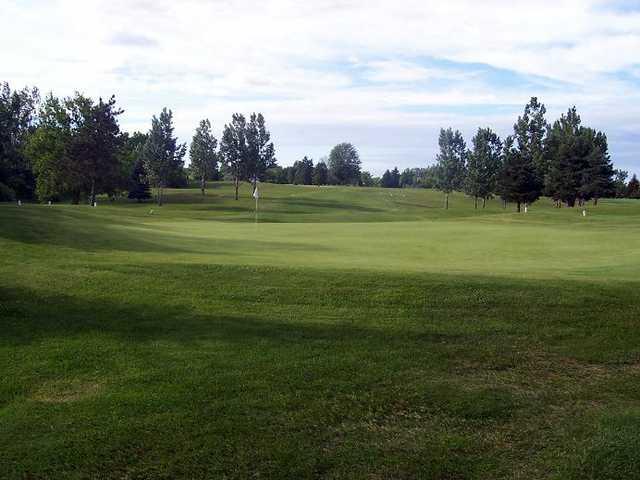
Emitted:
<point x="633" y="189"/>
<point x="386" y="181"/>
<point x="321" y="174"/>
<point x="303" y="172"/>
<point x="395" y="178"/>
<point x="620" y="183"/>
<point x="483" y="166"/>
<point x="162" y="154"/>
<point x="451" y="162"/>
<point x="344" y="164"/>
<point x="204" y="160"/>
<point x="408" y="177"/>
<point x="518" y="181"/>
<point x="529" y="133"/>
<point x="597" y="177"/>
<point x="95" y="143"/>
<point x="139" y="189"/>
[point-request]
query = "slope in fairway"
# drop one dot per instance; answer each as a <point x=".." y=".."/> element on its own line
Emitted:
<point x="350" y="333"/>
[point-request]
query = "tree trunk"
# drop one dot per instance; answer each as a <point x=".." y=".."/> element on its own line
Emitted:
<point x="446" y="201"/>
<point x="237" y="185"/>
<point x="518" y="207"/>
<point x="595" y="202"/>
<point x="203" y="184"/>
<point x="484" y="202"/>
<point x="475" y="202"/>
<point x="92" y="196"/>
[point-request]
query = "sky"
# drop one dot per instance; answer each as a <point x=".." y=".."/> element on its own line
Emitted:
<point x="383" y="75"/>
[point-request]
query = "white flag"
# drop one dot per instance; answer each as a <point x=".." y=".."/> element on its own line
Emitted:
<point x="256" y="195"/>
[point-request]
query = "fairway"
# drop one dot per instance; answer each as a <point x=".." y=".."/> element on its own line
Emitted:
<point x="343" y="333"/>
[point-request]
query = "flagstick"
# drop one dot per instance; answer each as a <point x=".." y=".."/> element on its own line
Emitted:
<point x="256" y="209"/>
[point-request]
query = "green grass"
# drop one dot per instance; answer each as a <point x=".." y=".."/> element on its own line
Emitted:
<point x="351" y="333"/>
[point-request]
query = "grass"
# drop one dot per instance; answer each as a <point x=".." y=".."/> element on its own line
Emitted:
<point x="351" y="333"/>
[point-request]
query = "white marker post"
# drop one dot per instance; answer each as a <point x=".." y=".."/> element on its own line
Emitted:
<point x="584" y="212"/>
<point x="19" y="203"/>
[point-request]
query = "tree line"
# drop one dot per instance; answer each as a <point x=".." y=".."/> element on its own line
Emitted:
<point x="72" y="148"/>
<point x="565" y="160"/>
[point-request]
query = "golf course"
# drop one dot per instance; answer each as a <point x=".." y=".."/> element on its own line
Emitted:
<point x="337" y="332"/>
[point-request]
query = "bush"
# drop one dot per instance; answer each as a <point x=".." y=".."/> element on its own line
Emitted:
<point x="6" y="193"/>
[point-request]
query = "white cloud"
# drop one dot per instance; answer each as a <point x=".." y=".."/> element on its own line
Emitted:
<point x="330" y="62"/>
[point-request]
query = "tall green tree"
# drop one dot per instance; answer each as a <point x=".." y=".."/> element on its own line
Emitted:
<point x="163" y="155"/>
<point x="233" y="149"/>
<point x="260" y="150"/>
<point x="529" y="131"/>
<point x="47" y="149"/>
<point x="95" y="143"/>
<point x="633" y="189"/>
<point x="597" y="176"/>
<point x="620" y="183"/>
<point x="451" y="162"/>
<point x="483" y="166"/>
<point x="204" y="159"/>
<point x="303" y="171"/>
<point x="518" y="181"/>
<point x="321" y="174"/>
<point x="344" y="164"/>
<point x="18" y="112"/>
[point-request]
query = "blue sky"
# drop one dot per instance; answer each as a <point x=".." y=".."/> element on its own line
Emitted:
<point x="383" y="75"/>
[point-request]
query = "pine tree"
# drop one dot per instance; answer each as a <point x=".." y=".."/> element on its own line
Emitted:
<point x="386" y="181"/>
<point x="518" y="181"/>
<point x="140" y="189"/>
<point x="633" y="189"/>
<point x="320" y="174"/>
<point x="303" y="172"/>
<point x="529" y="133"/>
<point x="451" y="162"/>
<point x="162" y="154"/>
<point x="597" y="177"/>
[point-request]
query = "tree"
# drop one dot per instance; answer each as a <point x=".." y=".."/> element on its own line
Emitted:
<point x="202" y="152"/>
<point x="47" y="149"/>
<point x="260" y="152"/>
<point x="391" y="179"/>
<point x="529" y="133"/>
<point x="579" y="166"/>
<point x="320" y="174"/>
<point x="162" y="153"/>
<point x="597" y="176"/>
<point x="233" y="148"/>
<point x="483" y="166"/>
<point x="451" y="162"/>
<point x="620" y="182"/>
<point x="303" y="172"/>
<point x="95" y="143"/>
<point x="367" y="180"/>
<point x="18" y="111"/>
<point x="344" y="164"/>
<point x="139" y="189"/>
<point x="633" y="189"/>
<point x="518" y="181"/>
<point x="408" y="177"/>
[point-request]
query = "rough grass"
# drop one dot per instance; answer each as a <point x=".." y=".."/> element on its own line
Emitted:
<point x="353" y="333"/>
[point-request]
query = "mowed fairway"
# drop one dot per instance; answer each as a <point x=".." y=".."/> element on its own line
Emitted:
<point x="350" y="333"/>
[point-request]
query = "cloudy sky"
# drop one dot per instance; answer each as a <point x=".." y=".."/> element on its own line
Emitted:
<point x="384" y="75"/>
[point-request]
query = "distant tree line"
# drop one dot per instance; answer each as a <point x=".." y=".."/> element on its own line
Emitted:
<point x="54" y="149"/>
<point x="565" y="160"/>
<point x="72" y="148"/>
